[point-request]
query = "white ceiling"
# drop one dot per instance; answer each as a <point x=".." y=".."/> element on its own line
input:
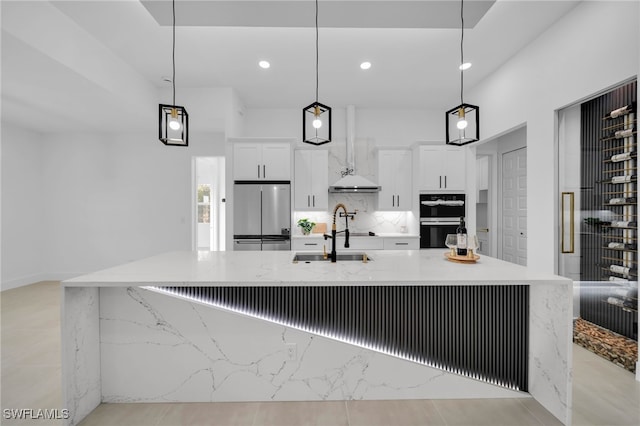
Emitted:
<point x="87" y="61"/>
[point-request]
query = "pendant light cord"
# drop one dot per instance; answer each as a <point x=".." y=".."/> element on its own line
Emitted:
<point x="317" y="56"/>
<point x="173" y="51"/>
<point x="461" y="50"/>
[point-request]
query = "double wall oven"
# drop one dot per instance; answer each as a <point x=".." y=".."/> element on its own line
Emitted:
<point x="439" y="215"/>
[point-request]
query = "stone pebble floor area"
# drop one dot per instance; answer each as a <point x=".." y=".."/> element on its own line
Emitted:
<point x="618" y="349"/>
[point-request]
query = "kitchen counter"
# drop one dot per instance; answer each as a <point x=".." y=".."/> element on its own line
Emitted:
<point x="268" y="268"/>
<point x="254" y="326"/>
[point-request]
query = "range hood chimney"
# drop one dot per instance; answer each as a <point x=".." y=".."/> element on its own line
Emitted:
<point x="350" y="181"/>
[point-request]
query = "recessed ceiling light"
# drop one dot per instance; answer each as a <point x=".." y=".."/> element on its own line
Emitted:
<point x="264" y="64"/>
<point x="465" y="66"/>
<point x="365" y="65"/>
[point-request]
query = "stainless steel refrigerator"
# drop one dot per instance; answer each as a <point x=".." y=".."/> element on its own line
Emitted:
<point x="262" y="216"/>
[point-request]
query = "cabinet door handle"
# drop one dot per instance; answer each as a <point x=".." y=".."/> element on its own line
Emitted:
<point x="314" y="200"/>
<point x="264" y="171"/>
<point x="308" y="201"/>
<point x="393" y="201"/>
<point x="258" y="171"/>
<point x="310" y="244"/>
<point x="445" y="181"/>
<point x="398" y="203"/>
<point x="402" y="244"/>
<point x="440" y="181"/>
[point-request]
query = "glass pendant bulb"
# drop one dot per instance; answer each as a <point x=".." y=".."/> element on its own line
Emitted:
<point x="317" y="123"/>
<point x="174" y="124"/>
<point x="462" y="121"/>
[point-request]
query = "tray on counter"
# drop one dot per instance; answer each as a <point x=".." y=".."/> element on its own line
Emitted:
<point x="461" y="259"/>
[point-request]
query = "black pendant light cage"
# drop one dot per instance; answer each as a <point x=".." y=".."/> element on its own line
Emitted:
<point x="173" y="120"/>
<point x="470" y="132"/>
<point x="314" y="134"/>
<point x="459" y="137"/>
<point x="310" y="134"/>
<point x="168" y="135"/>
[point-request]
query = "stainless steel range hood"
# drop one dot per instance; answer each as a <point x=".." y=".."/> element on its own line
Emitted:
<point x="350" y="181"/>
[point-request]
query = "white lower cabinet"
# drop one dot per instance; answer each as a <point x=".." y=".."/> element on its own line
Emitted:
<point x="313" y="243"/>
<point x="308" y="243"/>
<point x="402" y="243"/>
<point x="358" y="244"/>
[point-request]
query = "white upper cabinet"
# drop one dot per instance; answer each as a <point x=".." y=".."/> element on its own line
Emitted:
<point x="262" y="161"/>
<point x="394" y="177"/>
<point x="442" y="168"/>
<point x="482" y="173"/>
<point x="311" y="179"/>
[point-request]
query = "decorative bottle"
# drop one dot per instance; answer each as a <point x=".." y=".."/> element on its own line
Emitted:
<point x="461" y="233"/>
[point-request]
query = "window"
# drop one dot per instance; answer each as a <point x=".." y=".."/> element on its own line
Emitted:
<point x="204" y="203"/>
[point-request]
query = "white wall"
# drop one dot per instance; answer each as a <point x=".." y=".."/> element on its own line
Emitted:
<point x="24" y="207"/>
<point x="106" y="199"/>
<point x="569" y="62"/>
<point x="117" y="198"/>
<point x="384" y="127"/>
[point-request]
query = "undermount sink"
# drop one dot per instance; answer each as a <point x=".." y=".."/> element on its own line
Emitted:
<point x="340" y="257"/>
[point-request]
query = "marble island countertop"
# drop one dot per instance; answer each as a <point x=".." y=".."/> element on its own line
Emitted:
<point x="119" y="329"/>
<point x="276" y="268"/>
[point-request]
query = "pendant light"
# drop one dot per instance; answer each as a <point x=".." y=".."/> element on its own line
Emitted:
<point x="463" y="121"/>
<point x="173" y="126"/>
<point x="316" y="118"/>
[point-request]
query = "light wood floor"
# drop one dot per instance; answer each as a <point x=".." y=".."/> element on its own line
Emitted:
<point x="603" y="394"/>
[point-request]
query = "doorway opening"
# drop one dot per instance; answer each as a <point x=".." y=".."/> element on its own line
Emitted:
<point x="597" y="220"/>
<point x="208" y="197"/>
<point x="502" y="196"/>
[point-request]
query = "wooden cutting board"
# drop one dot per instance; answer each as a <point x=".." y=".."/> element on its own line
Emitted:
<point x="320" y="228"/>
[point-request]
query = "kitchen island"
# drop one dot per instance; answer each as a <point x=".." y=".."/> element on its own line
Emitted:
<point x="255" y="326"/>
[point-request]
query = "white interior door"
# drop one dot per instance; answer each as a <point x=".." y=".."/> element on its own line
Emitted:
<point x="514" y="206"/>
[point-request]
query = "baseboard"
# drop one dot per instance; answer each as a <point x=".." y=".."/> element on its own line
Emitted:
<point x="32" y="279"/>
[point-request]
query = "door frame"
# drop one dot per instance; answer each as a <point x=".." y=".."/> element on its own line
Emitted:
<point x="218" y="211"/>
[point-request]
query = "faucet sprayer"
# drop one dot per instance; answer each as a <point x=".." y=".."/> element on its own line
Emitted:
<point x="346" y="214"/>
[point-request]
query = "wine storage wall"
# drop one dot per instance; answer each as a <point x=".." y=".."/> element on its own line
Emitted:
<point x="480" y="332"/>
<point x="608" y="237"/>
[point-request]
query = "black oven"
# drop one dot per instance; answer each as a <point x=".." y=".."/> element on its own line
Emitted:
<point x="439" y="215"/>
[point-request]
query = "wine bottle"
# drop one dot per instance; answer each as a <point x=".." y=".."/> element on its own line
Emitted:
<point x="621" y="111"/>
<point x="461" y="243"/>
<point x="621" y="157"/>
<point x="627" y="133"/>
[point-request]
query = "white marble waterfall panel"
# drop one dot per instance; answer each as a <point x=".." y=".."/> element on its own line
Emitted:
<point x="81" y="386"/>
<point x="158" y="348"/>
<point x="550" y="347"/>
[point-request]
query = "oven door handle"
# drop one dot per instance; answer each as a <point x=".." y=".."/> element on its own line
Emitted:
<point x="437" y="223"/>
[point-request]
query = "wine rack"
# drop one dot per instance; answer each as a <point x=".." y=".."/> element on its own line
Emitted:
<point x="619" y="259"/>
